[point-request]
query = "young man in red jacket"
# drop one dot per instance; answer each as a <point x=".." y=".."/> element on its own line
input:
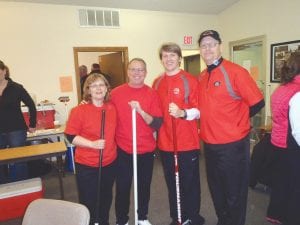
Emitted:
<point x="177" y="90"/>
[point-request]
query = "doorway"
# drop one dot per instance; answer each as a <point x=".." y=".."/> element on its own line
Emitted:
<point x="250" y="53"/>
<point x="192" y="62"/>
<point x="112" y="61"/>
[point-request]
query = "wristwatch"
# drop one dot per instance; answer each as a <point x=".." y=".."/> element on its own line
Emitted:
<point x="184" y="114"/>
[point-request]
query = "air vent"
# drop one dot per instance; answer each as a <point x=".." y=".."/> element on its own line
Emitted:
<point x="99" y="18"/>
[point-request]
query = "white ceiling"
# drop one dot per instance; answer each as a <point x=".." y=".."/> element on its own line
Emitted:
<point x="182" y="6"/>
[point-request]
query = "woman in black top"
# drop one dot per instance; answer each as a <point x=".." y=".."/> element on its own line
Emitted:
<point x="12" y="124"/>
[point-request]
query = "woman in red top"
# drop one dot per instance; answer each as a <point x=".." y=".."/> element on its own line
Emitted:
<point x="83" y="130"/>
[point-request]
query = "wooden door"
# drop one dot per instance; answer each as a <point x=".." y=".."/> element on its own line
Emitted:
<point x="112" y="64"/>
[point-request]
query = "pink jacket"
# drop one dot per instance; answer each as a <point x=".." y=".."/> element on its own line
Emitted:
<point x="280" y="111"/>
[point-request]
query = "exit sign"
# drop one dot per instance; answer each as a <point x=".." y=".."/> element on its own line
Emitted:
<point x="187" y="40"/>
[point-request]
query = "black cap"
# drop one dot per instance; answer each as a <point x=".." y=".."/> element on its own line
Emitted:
<point x="209" y="33"/>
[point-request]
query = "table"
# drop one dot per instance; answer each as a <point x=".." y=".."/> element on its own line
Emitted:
<point x="55" y="134"/>
<point x="32" y="152"/>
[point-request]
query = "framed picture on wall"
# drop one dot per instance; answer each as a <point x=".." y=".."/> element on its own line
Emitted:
<point x="280" y="53"/>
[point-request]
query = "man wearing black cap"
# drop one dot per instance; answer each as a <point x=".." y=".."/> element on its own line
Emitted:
<point x="228" y="97"/>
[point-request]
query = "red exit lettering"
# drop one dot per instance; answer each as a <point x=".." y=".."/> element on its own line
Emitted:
<point x="188" y="40"/>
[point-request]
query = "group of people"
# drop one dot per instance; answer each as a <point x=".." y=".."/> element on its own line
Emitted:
<point x="224" y="97"/>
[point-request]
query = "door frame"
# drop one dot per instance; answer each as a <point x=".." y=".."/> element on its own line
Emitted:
<point x="261" y="38"/>
<point x="76" y="50"/>
<point x="264" y="78"/>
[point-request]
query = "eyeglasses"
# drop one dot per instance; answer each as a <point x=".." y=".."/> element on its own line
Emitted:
<point x="136" y="70"/>
<point x="209" y="45"/>
<point x="97" y="85"/>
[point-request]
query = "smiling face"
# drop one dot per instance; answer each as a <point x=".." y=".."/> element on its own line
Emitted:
<point x="171" y="62"/>
<point x="96" y="88"/>
<point x="136" y="73"/>
<point x="210" y="50"/>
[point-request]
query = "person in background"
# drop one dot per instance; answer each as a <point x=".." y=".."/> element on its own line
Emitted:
<point x="285" y="139"/>
<point x="13" y="128"/>
<point x="135" y="95"/>
<point x="95" y="68"/>
<point x="228" y="97"/>
<point x="83" y="130"/>
<point x="177" y="90"/>
<point x="83" y="73"/>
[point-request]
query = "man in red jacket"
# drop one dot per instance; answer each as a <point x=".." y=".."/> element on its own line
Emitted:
<point x="135" y="94"/>
<point x="228" y="97"/>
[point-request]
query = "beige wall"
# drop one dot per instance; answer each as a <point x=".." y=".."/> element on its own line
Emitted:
<point x="276" y="19"/>
<point x="37" y="42"/>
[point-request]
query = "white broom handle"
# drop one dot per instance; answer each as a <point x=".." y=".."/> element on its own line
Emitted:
<point x="72" y="159"/>
<point x="134" y="166"/>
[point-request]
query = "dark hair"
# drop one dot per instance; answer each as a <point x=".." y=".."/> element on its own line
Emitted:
<point x="291" y="68"/>
<point x="170" y="47"/>
<point x="95" y="66"/>
<point x="90" y="79"/>
<point x="4" y="67"/>
<point x="138" y="60"/>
